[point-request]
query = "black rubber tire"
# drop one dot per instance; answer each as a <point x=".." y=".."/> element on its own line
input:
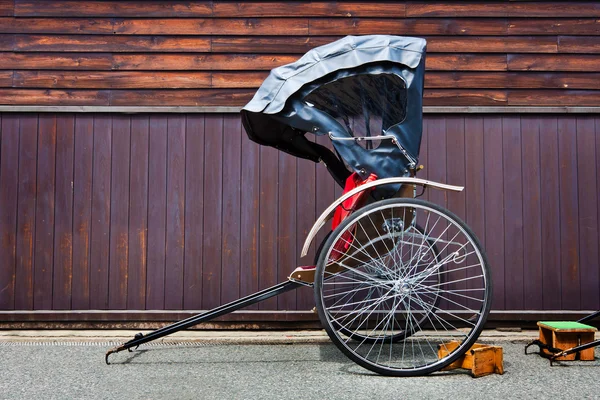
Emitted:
<point x="341" y="337"/>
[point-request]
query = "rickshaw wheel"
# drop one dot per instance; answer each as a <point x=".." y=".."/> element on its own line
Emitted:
<point x="435" y="279"/>
<point x="390" y="306"/>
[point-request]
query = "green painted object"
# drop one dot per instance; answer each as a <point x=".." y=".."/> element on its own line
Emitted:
<point x="566" y="325"/>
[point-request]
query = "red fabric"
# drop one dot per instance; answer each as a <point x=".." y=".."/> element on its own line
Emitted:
<point x="353" y="202"/>
<point x="346" y="208"/>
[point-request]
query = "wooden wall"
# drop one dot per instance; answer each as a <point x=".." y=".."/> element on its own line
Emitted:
<point x="216" y="53"/>
<point x="176" y="212"/>
<point x="181" y="212"/>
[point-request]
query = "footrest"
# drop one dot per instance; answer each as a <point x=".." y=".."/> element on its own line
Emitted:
<point x="480" y="359"/>
<point x="564" y="335"/>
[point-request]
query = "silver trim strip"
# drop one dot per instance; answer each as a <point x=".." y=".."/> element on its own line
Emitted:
<point x="325" y="215"/>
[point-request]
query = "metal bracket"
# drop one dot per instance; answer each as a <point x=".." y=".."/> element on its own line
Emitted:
<point x="411" y="159"/>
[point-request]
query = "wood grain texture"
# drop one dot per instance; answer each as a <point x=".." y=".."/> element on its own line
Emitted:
<point x="549" y="208"/>
<point x="63" y="213"/>
<point x="243" y="212"/>
<point x="553" y="97"/>
<point x="60" y="61"/>
<point x="194" y="211"/>
<point x="74" y="8"/>
<point x="232" y="205"/>
<point x="212" y="244"/>
<point x="410" y="26"/>
<point x="137" y="263"/>
<point x="175" y="212"/>
<point x="186" y="9"/>
<point x="588" y="210"/>
<point x="135" y="48"/>
<point x="119" y="212"/>
<point x="553" y="26"/>
<point x="532" y="232"/>
<point x="54" y="97"/>
<point x="43" y="269"/>
<point x="186" y="62"/>
<point x="82" y="210"/>
<point x="513" y="80"/>
<point x="579" y="44"/>
<point x="9" y="182"/>
<point x="494" y="206"/>
<point x="547" y="62"/>
<point x="157" y="212"/>
<point x="106" y="43"/>
<point x="100" y="227"/>
<point x="127" y="80"/>
<point x="568" y="214"/>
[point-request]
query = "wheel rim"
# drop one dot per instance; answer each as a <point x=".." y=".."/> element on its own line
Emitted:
<point x="389" y="304"/>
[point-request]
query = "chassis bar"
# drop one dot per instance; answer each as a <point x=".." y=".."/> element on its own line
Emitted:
<point x="205" y="316"/>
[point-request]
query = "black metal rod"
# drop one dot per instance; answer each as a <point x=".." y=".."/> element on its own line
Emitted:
<point x="575" y="350"/>
<point x="206" y="316"/>
<point x="589" y="317"/>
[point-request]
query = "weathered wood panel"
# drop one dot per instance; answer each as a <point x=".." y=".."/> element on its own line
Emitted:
<point x="9" y="181"/>
<point x="111" y="53"/>
<point x="63" y="214"/>
<point x="184" y="212"/>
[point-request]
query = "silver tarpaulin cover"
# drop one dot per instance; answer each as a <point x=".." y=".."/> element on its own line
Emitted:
<point x="358" y="86"/>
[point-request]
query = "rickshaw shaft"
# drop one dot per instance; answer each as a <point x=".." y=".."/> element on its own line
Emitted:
<point x="206" y="316"/>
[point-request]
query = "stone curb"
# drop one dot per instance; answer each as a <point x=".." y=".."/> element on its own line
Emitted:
<point x="218" y="336"/>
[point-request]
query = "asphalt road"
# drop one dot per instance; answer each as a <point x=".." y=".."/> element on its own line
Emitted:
<point x="68" y="370"/>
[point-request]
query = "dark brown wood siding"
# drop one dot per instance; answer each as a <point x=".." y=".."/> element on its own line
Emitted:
<point x="216" y="53"/>
<point x="175" y="212"/>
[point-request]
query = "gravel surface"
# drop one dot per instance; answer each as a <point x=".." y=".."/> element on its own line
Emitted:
<point x="76" y="370"/>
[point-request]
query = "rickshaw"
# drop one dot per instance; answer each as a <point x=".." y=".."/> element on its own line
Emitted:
<point x="401" y="285"/>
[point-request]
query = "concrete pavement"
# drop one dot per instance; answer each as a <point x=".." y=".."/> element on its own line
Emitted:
<point x="259" y="365"/>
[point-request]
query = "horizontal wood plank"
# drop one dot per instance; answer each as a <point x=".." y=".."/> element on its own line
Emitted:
<point x="147" y="26"/>
<point x="268" y="44"/>
<point x="238" y="79"/>
<point x="76" y="8"/>
<point x="112" y="79"/>
<point x="492" y="44"/>
<point x="109" y="43"/>
<point x="549" y="62"/>
<point x="85" y="26"/>
<point x="6" y="78"/>
<point x="239" y="97"/>
<point x="553" y="26"/>
<point x="563" y="9"/>
<point x="7" y="8"/>
<point x="200" y="97"/>
<point x="457" y="9"/>
<point x="253" y="79"/>
<point x="514" y="80"/>
<point x="579" y="44"/>
<point x="302" y="26"/>
<point x="271" y="44"/>
<point x="66" y="61"/>
<point x="217" y="26"/>
<point x="553" y="97"/>
<point x="458" y="97"/>
<point x="54" y="97"/>
<point x="330" y="9"/>
<point x="411" y="26"/>
<point x="466" y="62"/>
<point x="178" y="62"/>
<point x="221" y="9"/>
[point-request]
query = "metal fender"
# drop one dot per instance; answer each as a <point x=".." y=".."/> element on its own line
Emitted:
<point x="405" y="180"/>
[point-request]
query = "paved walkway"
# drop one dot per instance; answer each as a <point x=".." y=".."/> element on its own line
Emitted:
<point x="70" y="365"/>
